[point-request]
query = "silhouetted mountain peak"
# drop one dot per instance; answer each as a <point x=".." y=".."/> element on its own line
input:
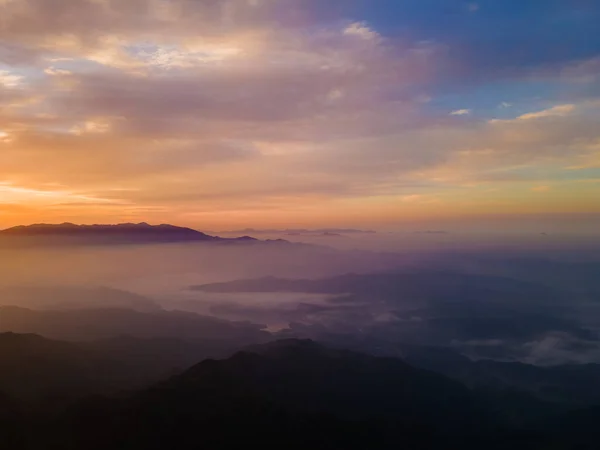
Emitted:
<point x="298" y="349"/>
<point x="122" y="233"/>
<point x="274" y="350"/>
<point x="45" y="228"/>
<point x="301" y="375"/>
<point x="246" y="238"/>
<point x="286" y="345"/>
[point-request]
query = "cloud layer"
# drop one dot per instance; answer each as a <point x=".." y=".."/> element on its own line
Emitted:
<point x="254" y="112"/>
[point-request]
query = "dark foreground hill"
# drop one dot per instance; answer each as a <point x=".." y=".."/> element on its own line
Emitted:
<point x="40" y="371"/>
<point x="287" y="394"/>
<point x="294" y="394"/>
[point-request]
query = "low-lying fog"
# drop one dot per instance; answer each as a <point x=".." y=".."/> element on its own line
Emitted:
<point x="532" y="297"/>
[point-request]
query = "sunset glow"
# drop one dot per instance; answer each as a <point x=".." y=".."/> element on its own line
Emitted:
<point x="221" y="115"/>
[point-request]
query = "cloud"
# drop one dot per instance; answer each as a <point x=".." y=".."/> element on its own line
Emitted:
<point x="58" y="72"/>
<point x="559" y="110"/>
<point x="163" y="108"/>
<point x="9" y="80"/>
<point x="412" y="198"/>
<point x="541" y="188"/>
<point x="473" y="7"/>
<point x="197" y="108"/>
<point x="561" y="348"/>
<point x="362" y="31"/>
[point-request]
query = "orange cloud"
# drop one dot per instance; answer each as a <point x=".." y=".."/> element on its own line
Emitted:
<point x="541" y="189"/>
<point x="208" y="111"/>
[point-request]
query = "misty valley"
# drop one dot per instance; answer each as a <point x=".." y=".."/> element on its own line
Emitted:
<point x="299" y="224"/>
<point x="139" y="336"/>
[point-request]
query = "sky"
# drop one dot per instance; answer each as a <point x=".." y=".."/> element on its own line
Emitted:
<point x="224" y="114"/>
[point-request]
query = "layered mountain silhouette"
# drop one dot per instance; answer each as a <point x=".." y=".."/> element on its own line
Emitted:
<point x="569" y="384"/>
<point x="124" y="233"/>
<point x="74" y="297"/>
<point x="301" y="231"/>
<point x="48" y="375"/>
<point x="292" y="394"/>
<point x="93" y="324"/>
<point x="35" y="369"/>
<point x="430" y="308"/>
<point x="387" y="284"/>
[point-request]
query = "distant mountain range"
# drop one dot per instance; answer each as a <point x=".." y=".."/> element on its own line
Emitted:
<point x="43" y="297"/>
<point x="91" y="324"/>
<point x="302" y="231"/>
<point x="124" y="233"/>
<point x="395" y="285"/>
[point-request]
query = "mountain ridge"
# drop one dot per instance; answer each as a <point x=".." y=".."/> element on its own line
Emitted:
<point x="293" y="391"/>
<point x="299" y="392"/>
<point x="121" y="233"/>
